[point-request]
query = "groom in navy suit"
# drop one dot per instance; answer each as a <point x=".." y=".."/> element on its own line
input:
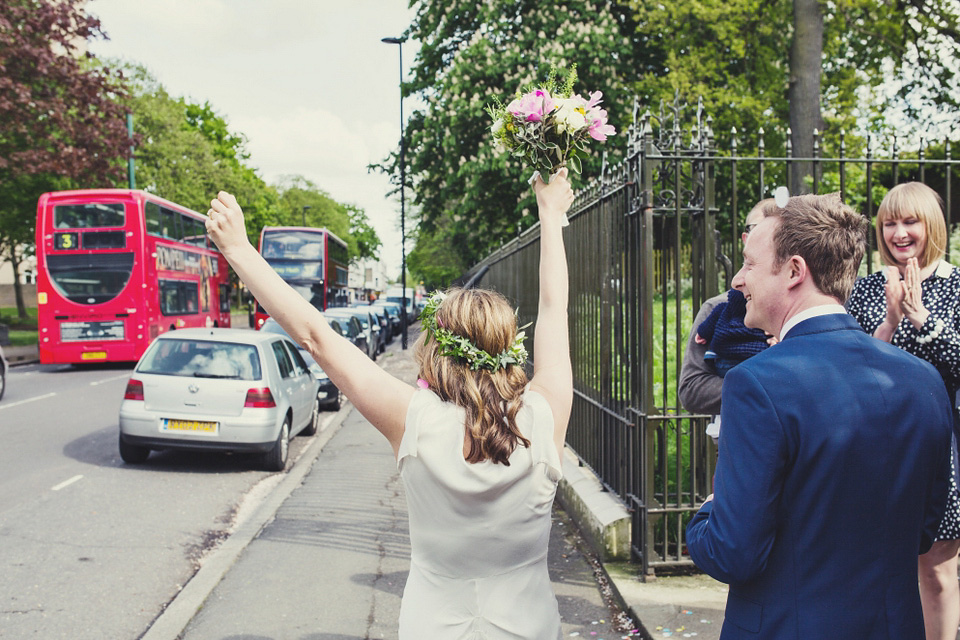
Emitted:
<point x="833" y="467"/>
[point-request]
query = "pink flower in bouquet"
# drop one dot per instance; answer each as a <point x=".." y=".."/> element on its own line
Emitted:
<point x="599" y="129"/>
<point x="597" y="117"/>
<point x="532" y="106"/>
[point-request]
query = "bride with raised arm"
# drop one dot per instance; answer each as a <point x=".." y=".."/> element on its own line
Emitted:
<point x="478" y="445"/>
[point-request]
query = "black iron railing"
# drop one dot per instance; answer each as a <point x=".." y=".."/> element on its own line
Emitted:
<point x="644" y="252"/>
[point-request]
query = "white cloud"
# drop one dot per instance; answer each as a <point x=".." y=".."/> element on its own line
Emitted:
<point x="306" y="141"/>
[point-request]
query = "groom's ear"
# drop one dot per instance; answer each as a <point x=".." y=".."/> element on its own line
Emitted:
<point x="797" y="271"/>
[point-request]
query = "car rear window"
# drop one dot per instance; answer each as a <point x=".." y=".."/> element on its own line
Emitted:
<point x="202" y="359"/>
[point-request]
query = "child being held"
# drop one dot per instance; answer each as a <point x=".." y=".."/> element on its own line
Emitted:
<point x="729" y="341"/>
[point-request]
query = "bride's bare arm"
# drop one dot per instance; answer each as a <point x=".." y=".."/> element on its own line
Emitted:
<point x="552" y="372"/>
<point x="381" y="398"/>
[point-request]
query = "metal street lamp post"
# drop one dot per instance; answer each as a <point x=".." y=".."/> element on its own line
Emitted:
<point x="403" y="179"/>
<point x="303" y="215"/>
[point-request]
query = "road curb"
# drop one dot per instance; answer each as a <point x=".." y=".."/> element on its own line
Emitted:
<point x="185" y="605"/>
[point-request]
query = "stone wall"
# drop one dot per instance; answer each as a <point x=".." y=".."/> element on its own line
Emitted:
<point x="8" y="296"/>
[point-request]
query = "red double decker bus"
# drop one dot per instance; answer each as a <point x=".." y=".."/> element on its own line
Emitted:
<point x="118" y="267"/>
<point x="313" y="261"/>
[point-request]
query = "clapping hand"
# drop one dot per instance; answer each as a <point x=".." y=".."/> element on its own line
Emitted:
<point x="894" y="293"/>
<point x="911" y="304"/>
<point x="904" y="299"/>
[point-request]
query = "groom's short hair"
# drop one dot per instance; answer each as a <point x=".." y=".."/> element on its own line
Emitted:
<point x="829" y="236"/>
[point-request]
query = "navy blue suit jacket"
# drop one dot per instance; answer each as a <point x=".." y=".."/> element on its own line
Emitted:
<point x="832" y="478"/>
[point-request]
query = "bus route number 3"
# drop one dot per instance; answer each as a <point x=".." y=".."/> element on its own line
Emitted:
<point x="66" y="241"/>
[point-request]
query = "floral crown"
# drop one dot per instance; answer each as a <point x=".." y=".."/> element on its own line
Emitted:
<point x="451" y="344"/>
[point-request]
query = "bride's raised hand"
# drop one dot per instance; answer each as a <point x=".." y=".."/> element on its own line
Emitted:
<point x="554" y="199"/>
<point x="225" y="224"/>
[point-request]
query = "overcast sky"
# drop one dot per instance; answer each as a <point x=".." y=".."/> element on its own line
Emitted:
<point x="308" y="82"/>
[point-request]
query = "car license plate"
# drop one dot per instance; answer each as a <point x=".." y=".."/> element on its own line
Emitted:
<point x="93" y="355"/>
<point x="190" y="426"/>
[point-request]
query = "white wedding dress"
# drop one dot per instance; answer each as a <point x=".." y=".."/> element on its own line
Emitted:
<point x="478" y="532"/>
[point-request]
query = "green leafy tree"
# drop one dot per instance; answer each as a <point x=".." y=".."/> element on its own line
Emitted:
<point x="362" y="234"/>
<point x="303" y="202"/>
<point x="435" y="258"/>
<point x="472" y="52"/>
<point x="62" y="122"/>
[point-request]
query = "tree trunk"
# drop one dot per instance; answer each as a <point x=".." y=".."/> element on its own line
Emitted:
<point x="17" y="287"/>
<point x="806" y="55"/>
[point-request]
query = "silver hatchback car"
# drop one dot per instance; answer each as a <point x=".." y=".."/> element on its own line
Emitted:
<point x="218" y="390"/>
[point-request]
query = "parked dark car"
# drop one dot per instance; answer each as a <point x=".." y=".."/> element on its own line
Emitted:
<point x="350" y="327"/>
<point x="328" y="396"/>
<point x="218" y="390"/>
<point x="380" y="315"/>
<point x="393" y="312"/>
<point x="370" y="328"/>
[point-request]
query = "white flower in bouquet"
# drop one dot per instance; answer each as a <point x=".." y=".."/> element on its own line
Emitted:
<point x="571" y="116"/>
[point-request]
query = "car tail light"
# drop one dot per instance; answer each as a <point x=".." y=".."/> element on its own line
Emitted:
<point x="134" y="390"/>
<point x="260" y="398"/>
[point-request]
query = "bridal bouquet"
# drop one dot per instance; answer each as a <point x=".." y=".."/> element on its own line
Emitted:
<point x="549" y="125"/>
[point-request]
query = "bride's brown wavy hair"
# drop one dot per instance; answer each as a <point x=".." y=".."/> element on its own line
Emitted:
<point x="491" y="399"/>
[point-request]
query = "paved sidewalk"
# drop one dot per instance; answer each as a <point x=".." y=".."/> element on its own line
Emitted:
<point x="21" y="355"/>
<point x="332" y="561"/>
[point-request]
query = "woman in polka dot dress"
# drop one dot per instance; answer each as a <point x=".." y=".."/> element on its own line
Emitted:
<point x="914" y="304"/>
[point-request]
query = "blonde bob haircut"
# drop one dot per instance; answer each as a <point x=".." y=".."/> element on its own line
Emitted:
<point x="916" y="200"/>
<point x="491" y="399"/>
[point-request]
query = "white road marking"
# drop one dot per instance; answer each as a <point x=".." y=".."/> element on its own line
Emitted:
<point x="7" y="405"/>
<point x="66" y="483"/>
<point x="104" y="381"/>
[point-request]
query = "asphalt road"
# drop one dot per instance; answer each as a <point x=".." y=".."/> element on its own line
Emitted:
<point x="91" y="547"/>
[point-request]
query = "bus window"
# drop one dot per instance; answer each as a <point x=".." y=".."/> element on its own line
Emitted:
<point x="224" y="298"/>
<point x="154" y="221"/>
<point x="194" y="232"/>
<point x="186" y="229"/>
<point x="74" y="216"/>
<point x="104" y="240"/>
<point x="178" y="297"/>
<point x="171" y="223"/>
<point x="92" y="278"/>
